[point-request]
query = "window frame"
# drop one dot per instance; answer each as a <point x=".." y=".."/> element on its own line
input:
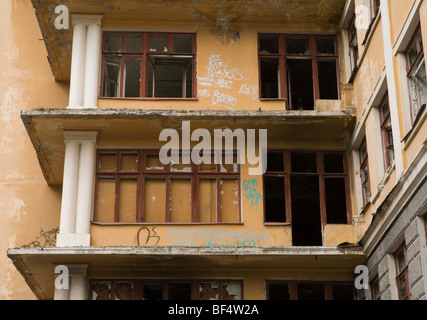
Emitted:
<point x="387" y="141"/>
<point x="138" y="286"/>
<point x="142" y="172"/>
<point x="410" y="68"/>
<point x="403" y="273"/>
<point x="144" y="54"/>
<point x="353" y="49"/>
<point x="375" y="8"/>
<point x="283" y="56"/>
<point x="287" y="173"/>
<point x="375" y="283"/>
<point x="364" y="163"/>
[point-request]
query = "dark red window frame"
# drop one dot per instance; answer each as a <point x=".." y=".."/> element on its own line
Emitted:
<point x="375" y="8"/>
<point x="365" y="179"/>
<point x="386" y="132"/>
<point x="138" y="284"/>
<point x="402" y="274"/>
<point x="287" y="172"/>
<point x="167" y="173"/>
<point x="283" y="56"/>
<point x="353" y="44"/>
<point x="144" y="54"/>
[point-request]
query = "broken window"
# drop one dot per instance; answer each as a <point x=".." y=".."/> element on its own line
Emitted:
<point x="416" y="75"/>
<point x="301" y="69"/>
<point x="149" y="65"/>
<point x="134" y="186"/>
<point x="402" y="280"/>
<point x="308" y="190"/>
<point x="364" y="173"/>
<point x="386" y="132"/>
<point x="353" y="44"/>
<point x="292" y="290"/>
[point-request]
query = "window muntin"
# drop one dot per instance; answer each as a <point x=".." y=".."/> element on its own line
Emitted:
<point x="148" y="65"/>
<point x="298" y="68"/>
<point x="133" y="186"/>
<point x="295" y="180"/>
<point x="386" y="132"/>
<point x="177" y="289"/>
<point x="309" y="290"/>
<point x="364" y="173"/>
<point x="402" y="280"/>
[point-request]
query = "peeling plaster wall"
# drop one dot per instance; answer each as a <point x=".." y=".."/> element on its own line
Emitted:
<point x="27" y="204"/>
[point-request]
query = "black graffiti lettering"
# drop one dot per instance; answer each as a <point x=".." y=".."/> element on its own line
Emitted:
<point x="150" y="235"/>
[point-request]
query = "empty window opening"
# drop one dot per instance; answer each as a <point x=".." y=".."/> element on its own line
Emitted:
<point x="275" y="205"/>
<point x="270" y="78"/>
<point x="300" y="84"/>
<point x="328" y="79"/>
<point x="152" y="291"/>
<point x="304" y="162"/>
<point x="278" y="291"/>
<point x="333" y="163"/>
<point x="311" y="291"/>
<point x="297" y="45"/>
<point x="275" y="162"/>
<point x="269" y="44"/>
<point x="305" y="200"/>
<point x="336" y="206"/>
<point x="179" y="291"/>
<point x="343" y="292"/>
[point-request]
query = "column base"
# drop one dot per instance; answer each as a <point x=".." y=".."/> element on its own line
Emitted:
<point x="73" y="240"/>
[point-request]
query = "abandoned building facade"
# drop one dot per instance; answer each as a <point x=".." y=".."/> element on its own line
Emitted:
<point x="326" y="101"/>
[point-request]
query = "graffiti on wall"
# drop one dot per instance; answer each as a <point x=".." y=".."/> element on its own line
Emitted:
<point x="250" y="188"/>
<point x="47" y="239"/>
<point x="218" y="80"/>
<point x="214" y="237"/>
<point x="147" y="237"/>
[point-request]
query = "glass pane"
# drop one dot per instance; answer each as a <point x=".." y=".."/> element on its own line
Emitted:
<point x="180" y="199"/>
<point x="111" y="77"/>
<point x="297" y="46"/>
<point x="275" y="162"/>
<point x="333" y="163"/>
<point x="303" y="162"/>
<point x="105" y="195"/>
<point x="179" y="291"/>
<point x="153" y="162"/>
<point x="231" y="291"/>
<point x="127" y="199"/>
<point x="183" y="44"/>
<point x="275" y="205"/>
<point x="363" y="152"/>
<point x="270" y="78"/>
<point x="268" y="44"/>
<point x="401" y="287"/>
<point x="336" y="205"/>
<point x="278" y="291"/>
<point x="401" y="263"/>
<point x="325" y="46"/>
<point x="155" y="199"/>
<point x="133" y="43"/>
<point x="112" y="42"/>
<point x="207" y="201"/>
<point x="208" y="291"/>
<point x="101" y="291"/>
<point x="159" y="43"/>
<point x="311" y="291"/>
<point x="124" y="291"/>
<point x="129" y="162"/>
<point x="132" y="77"/>
<point x="230" y="200"/>
<point x="107" y="162"/>
<point x="152" y="291"/>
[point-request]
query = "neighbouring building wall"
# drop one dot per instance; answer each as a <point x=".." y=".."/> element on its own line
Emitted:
<point x="30" y="209"/>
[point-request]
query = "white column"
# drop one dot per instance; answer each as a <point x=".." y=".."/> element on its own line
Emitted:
<point x="77" y="66"/>
<point x="78" y="282"/>
<point x="85" y="61"/>
<point x="85" y="191"/>
<point x="78" y="188"/>
<point x="93" y="58"/>
<point x="391" y="86"/>
<point x="69" y="190"/>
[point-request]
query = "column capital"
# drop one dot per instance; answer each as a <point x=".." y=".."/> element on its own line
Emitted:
<point x="86" y="19"/>
<point x="80" y="136"/>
